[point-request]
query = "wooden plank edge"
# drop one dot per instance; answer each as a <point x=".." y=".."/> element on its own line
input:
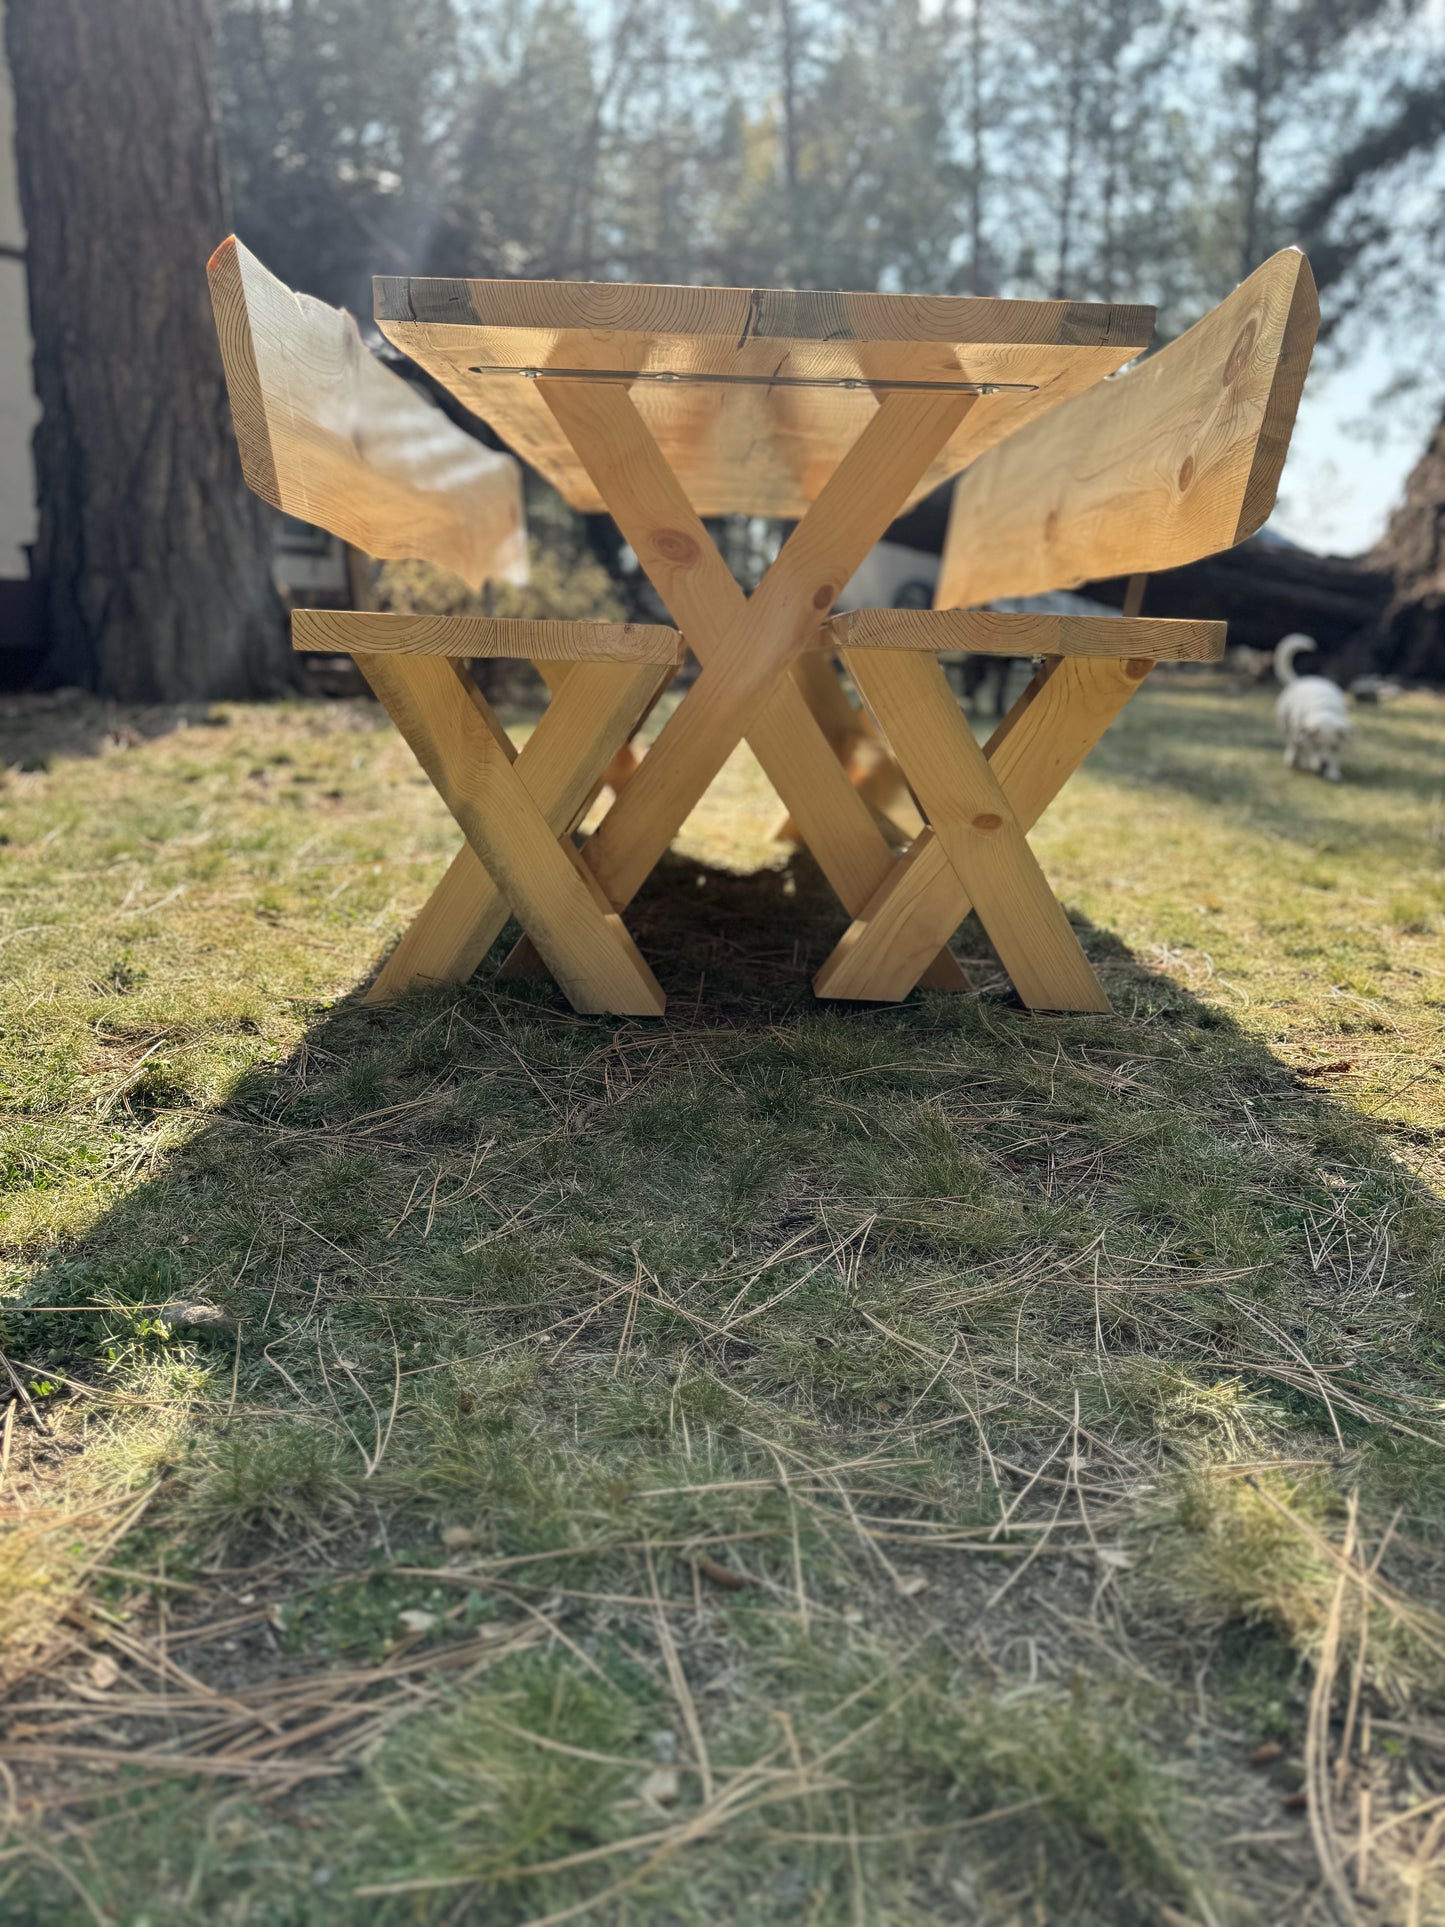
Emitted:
<point x="225" y="277"/>
<point x="987" y="632"/>
<point x="347" y="632"/>
<point x="1297" y="342"/>
<point x="782" y="314"/>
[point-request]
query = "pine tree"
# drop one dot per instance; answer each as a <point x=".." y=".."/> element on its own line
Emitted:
<point x="153" y="559"/>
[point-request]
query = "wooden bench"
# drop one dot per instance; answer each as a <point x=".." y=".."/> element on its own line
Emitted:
<point x="1174" y="459"/>
<point x="329" y="435"/>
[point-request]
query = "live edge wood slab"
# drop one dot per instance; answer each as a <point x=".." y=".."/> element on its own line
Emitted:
<point x="333" y="438"/>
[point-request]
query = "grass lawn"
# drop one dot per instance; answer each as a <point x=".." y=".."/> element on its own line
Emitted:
<point x="471" y="1463"/>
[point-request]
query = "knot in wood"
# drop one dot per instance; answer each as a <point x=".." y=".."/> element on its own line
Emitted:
<point x="1138" y="667"/>
<point x="824" y="598"/>
<point x="1051" y="525"/>
<point x="1186" y="473"/>
<point x="986" y="821"/>
<point x="674" y="546"/>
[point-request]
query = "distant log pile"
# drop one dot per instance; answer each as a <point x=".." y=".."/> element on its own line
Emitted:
<point x="1265" y="592"/>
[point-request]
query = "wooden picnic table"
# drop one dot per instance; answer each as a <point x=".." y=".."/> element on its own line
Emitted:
<point x="665" y="405"/>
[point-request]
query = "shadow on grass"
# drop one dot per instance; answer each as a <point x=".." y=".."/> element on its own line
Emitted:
<point x="529" y="1316"/>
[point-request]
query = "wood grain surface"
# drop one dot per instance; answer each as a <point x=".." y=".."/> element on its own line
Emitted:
<point x="740" y="425"/>
<point x="477" y="773"/>
<point x="1034" y="751"/>
<point x="1172" y="461"/>
<point x="333" y="438"/>
<point x="475" y="638"/>
<point x="986" y="632"/>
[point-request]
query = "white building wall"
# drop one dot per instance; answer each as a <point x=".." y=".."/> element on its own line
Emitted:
<point x="18" y="408"/>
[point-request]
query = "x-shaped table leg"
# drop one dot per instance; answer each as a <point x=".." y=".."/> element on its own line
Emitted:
<point x="746" y="644"/>
<point x="1032" y="754"/>
<point x="511" y="809"/>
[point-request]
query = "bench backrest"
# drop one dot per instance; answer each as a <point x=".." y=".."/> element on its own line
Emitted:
<point x="1176" y="459"/>
<point x="334" y="438"/>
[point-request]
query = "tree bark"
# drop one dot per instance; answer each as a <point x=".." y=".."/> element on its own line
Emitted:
<point x="1257" y="81"/>
<point x="1410" y="638"/>
<point x="153" y="558"/>
<point x="1071" y="157"/>
<point x="977" y="276"/>
<point x="788" y="60"/>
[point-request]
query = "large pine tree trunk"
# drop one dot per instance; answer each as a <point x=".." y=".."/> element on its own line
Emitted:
<point x="153" y="557"/>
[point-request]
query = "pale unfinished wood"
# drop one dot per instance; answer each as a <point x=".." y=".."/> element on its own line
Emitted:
<point x="621" y="770"/>
<point x="840" y="719"/>
<point x="698" y="589"/>
<point x="1174" y="460"/>
<point x="523" y="959"/>
<point x="855" y="741"/>
<point x="972" y="819"/>
<point x="741" y="428"/>
<point x="474" y="638"/>
<point x="594" y="709"/>
<point x="984" y="632"/>
<point x="1034" y="751"/>
<point x="463" y="749"/>
<point x="746" y="657"/>
<point x="835" y="820"/>
<point x="777" y="332"/>
<point x="333" y="438"/>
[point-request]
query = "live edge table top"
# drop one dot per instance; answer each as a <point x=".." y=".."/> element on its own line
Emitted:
<point x="753" y="395"/>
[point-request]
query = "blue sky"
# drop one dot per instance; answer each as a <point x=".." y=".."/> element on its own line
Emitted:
<point x="1340" y="483"/>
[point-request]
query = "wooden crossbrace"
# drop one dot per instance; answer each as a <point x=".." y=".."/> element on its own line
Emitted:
<point x="1032" y="754"/>
<point x="747" y="643"/>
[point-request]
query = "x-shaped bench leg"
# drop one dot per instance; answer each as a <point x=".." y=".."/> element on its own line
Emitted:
<point x="1032" y="754"/>
<point x="746" y="644"/>
<point x="562" y="763"/>
<point x="504" y="817"/>
<point x="973" y="820"/>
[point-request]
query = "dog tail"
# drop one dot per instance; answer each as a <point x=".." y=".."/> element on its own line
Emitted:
<point x="1285" y="653"/>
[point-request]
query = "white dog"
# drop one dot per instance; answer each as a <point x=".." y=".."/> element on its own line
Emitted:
<point x="1312" y="713"/>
